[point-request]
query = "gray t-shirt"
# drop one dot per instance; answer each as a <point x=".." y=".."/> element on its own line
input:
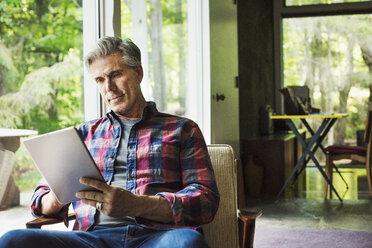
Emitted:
<point x="119" y="178"/>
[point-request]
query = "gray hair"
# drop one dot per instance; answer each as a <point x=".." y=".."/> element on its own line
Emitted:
<point x="109" y="45"/>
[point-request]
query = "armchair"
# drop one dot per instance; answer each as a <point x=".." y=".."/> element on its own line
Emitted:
<point x="232" y="226"/>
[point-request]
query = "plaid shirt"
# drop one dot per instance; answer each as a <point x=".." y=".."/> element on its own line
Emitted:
<point x="167" y="156"/>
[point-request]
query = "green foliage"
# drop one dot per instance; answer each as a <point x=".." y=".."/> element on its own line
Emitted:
<point x="174" y="50"/>
<point x="331" y="55"/>
<point x="27" y="181"/>
<point x="26" y="175"/>
<point x="42" y="42"/>
<point x="40" y="70"/>
<point x="39" y="33"/>
<point x="174" y="12"/>
<point x="56" y="88"/>
<point x="7" y="68"/>
<point x="126" y="20"/>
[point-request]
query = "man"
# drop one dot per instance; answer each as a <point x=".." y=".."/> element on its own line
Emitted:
<point x="160" y="182"/>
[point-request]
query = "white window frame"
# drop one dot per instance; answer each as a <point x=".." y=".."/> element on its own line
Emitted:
<point x="281" y="11"/>
<point x="92" y="100"/>
<point x="105" y="15"/>
<point x="199" y="66"/>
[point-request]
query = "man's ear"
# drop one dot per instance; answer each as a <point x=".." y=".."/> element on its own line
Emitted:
<point x="139" y="71"/>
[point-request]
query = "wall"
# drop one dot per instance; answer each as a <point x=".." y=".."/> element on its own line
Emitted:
<point x="256" y="63"/>
<point x="241" y="44"/>
<point x="224" y="69"/>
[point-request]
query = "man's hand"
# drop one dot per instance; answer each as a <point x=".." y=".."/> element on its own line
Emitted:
<point x="50" y="205"/>
<point x="118" y="202"/>
<point x="115" y="201"/>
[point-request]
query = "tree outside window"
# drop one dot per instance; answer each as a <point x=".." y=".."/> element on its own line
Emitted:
<point x="332" y="56"/>
<point x="165" y="54"/>
<point x="40" y="70"/>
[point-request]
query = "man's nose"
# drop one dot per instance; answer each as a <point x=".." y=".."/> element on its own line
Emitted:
<point x="110" y="84"/>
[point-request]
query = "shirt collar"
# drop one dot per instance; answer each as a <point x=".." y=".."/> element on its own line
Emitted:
<point x="149" y="111"/>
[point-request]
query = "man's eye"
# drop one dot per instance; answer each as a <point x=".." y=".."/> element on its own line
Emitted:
<point x="116" y="74"/>
<point x="100" y="80"/>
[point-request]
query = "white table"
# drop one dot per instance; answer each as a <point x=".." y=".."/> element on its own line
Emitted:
<point x="10" y="140"/>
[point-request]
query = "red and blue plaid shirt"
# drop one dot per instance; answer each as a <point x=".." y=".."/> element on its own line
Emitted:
<point x="167" y="156"/>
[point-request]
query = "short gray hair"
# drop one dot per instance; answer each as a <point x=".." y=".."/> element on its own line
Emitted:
<point x="109" y="45"/>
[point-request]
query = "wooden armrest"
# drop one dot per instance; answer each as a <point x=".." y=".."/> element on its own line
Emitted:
<point x="248" y="215"/>
<point x="41" y="221"/>
<point x="247" y="223"/>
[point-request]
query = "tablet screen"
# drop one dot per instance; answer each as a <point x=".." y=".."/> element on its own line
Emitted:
<point x="62" y="158"/>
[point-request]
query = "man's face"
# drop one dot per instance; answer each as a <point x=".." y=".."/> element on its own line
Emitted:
<point x="119" y="85"/>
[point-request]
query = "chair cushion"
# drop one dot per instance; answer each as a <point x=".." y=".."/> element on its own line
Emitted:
<point x="359" y="150"/>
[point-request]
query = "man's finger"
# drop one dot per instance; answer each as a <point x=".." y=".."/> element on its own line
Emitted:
<point x="101" y="186"/>
<point x="92" y="203"/>
<point x="90" y="195"/>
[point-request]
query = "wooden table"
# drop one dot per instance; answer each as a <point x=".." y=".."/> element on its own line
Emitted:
<point x="9" y="144"/>
<point x="315" y="142"/>
<point x="268" y="161"/>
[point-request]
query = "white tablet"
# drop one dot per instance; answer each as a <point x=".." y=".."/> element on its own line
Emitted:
<point x="62" y="159"/>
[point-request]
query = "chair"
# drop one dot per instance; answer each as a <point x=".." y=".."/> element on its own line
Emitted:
<point x="359" y="154"/>
<point x="231" y="227"/>
<point x="227" y="229"/>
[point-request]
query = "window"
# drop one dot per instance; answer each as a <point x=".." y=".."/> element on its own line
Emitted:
<point x="173" y="38"/>
<point x="44" y="87"/>
<point x="40" y="71"/>
<point x="160" y="29"/>
<point x="314" y="2"/>
<point x="328" y="48"/>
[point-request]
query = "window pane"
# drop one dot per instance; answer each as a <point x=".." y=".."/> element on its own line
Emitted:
<point x="313" y="2"/>
<point x="333" y="57"/>
<point x="160" y="30"/>
<point x="40" y="70"/>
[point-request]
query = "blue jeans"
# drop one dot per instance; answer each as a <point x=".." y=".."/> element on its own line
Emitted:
<point x="103" y="237"/>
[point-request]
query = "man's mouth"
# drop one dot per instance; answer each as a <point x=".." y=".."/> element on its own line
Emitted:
<point x="115" y="98"/>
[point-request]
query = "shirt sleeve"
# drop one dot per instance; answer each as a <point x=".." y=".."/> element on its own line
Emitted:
<point x="197" y="203"/>
<point x="42" y="189"/>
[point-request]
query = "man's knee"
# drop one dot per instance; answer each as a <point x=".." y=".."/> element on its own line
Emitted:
<point x="17" y="238"/>
<point x="183" y="238"/>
